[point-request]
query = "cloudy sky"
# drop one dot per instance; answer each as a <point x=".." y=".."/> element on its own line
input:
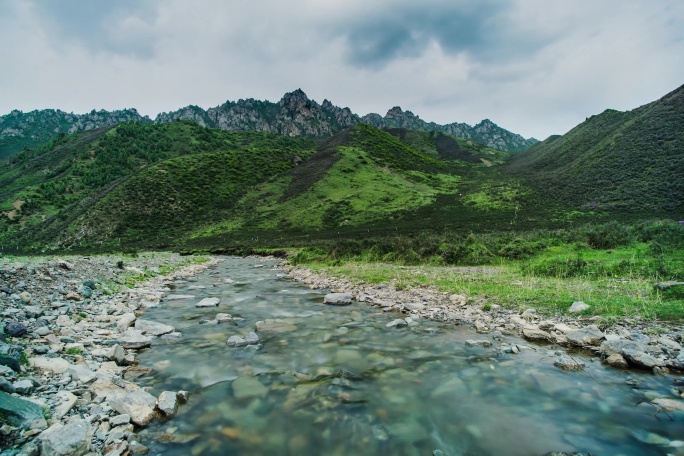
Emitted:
<point x="535" y="67"/>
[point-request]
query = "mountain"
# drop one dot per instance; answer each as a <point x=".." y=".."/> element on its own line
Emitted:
<point x="19" y="130"/>
<point x="626" y="163"/>
<point x="295" y="115"/>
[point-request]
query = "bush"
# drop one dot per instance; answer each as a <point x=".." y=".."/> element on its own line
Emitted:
<point x="609" y="236"/>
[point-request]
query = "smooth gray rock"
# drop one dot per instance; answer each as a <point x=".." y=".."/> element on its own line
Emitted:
<point x="132" y="338"/>
<point x="125" y="321"/>
<point x="237" y="341"/>
<point x="338" y="299"/>
<point x="22" y="413"/>
<point x="590" y="335"/>
<point x="478" y="343"/>
<point x="23" y="387"/>
<point x="534" y="333"/>
<point x="150" y="327"/>
<point x="82" y="373"/>
<point x="72" y="439"/>
<point x="669" y="343"/>
<point x="167" y="403"/>
<point x="56" y="365"/>
<point x="25" y="296"/>
<point x="138" y="404"/>
<point x="578" y="306"/>
<point x="566" y="363"/>
<point x="118" y="420"/>
<point x="208" y="302"/>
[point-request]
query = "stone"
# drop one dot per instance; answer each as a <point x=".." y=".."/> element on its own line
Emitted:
<point x="116" y="353"/>
<point x="208" y="302"/>
<point x="65" y="265"/>
<point x="458" y="299"/>
<point x="22" y="413"/>
<point x="665" y="286"/>
<point x="563" y="328"/>
<point x="132" y="338"/>
<point x="183" y="396"/>
<point x="338" y="299"/>
<point x="11" y="351"/>
<point x="73" y="296"/>
<point x="398" y="323"/>
<point x="125" y="321"/>
<point x="137" y="448"/>
<point x="669" y="343"/>
<point x="534" y="333"/>
<point x="237" y="341"/>
<point x="118" y="420"/>
<point x="670" y="405"/>
<point x="478" y="343"/>
<point x="167" y="403"/>
<point x="25" y="297"/>
<point x="566" y="363"/>
<point x="9" y="363"/>
<point x="150" y="327"/>
<point x="641" y="359"/>
<point x="55" y="365"/>
<point x="223" y="317"/>
<point x="42" y="331"/>
<point x="578" y="306"/>
<point x="72" y="439"/>
<point x="6" y="386"/>
<point x="248" y="387"/>
<point x="24" y="387"/>
<point x="616" y="360"/>
<point x="590" y="335"/>
<point x="82" y="373"/>
<point x="275" y="326"/>
<point x="67" y="402"/>
<point x="138" y="404"/>
<point x="15" y="329"/>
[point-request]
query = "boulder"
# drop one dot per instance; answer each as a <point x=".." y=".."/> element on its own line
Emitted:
<point x="167" y="403"/>
<point x="22" y="413"/>
<point x="138" y="404"/>
<point x="72" y="439"/>
<point x="132" y="338"/>
<point x="55" y="365"/>
<point x="338" y="299"/>
<point x="616" y="360"/>
<point x="670" y="405"/>
<point x="398" y="323"/>
<point x="208" y="302"/>
<point x="116" y="353"/>
<point x="590" y="335"/>
<point x="534" y="333"/>
<point x="150" y="327"/>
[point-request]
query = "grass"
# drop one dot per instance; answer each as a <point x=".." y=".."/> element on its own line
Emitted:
<point x="506" y="285"/>
<point x="547" y="270"/>
<point x="74" y="351"/>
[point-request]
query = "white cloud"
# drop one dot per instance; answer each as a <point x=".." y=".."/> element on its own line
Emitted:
<point x="535" y="67"/>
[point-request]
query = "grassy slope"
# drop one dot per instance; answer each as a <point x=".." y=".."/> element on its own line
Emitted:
<point x="628" y="164"/>
<point x="86" y="175"/>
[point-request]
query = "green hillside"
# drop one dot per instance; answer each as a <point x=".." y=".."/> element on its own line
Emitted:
<point x="626" y="164"/>
<point x="90" y="187"/>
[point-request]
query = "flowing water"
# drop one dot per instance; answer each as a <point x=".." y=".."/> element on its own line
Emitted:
<point x="335" y="381"/>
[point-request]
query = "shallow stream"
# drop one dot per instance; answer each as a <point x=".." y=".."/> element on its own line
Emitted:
<point x="336" y="381"/>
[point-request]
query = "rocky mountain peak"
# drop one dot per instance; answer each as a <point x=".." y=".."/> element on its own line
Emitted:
<point x="294" y="99"/>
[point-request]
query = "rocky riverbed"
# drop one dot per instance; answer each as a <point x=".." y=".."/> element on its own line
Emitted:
<point x="624" y="345"/>
<point x="68" y="353"/>
<point x="76" y="328"/>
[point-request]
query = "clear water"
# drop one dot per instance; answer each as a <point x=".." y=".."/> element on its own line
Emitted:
<point x="336" y="381"/>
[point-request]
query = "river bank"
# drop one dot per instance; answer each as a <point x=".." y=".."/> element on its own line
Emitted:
<point x="624" y="344"/>
<point x="68" y="354"/>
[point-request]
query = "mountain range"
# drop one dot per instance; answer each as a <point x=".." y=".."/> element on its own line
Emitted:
<point x="178" y="184"/>
<point x="294" y="115"/>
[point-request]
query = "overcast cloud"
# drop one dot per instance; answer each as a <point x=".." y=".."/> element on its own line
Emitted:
<point x="535" y="67"/>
